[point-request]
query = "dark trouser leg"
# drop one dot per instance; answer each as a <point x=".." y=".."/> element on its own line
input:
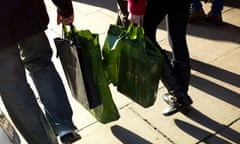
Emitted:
<point x="176" y="24"/>
<point x="20" y="100"/>
<point x="36" y="55"/>
<point x="122" y="18"/>
<point x="177" y="84"/>
<point x="182" y="70"/>
<point x="172" y="82"/>
<point x="176" y="98"/>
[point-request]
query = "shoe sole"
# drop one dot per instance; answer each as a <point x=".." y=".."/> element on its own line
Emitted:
<point x="183" y="109"/>
<point x="70" y="140"/>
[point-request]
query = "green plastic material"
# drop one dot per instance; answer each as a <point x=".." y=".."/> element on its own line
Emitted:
<point x="133" y="63"/>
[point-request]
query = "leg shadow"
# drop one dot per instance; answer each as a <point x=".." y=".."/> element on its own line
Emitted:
<point x="216" y="90"/>
<point x="127" y="137"/>
<point x="107" y="4"/>
<point x="198" y="133"/>
<point x="215" y="72"/>
<point x="226" y="32"/>
<point x="212" y="88"/>
<point x="205" y="121"/>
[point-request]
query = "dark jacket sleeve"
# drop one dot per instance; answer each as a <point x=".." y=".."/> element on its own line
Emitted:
<point x="65" y="7"/>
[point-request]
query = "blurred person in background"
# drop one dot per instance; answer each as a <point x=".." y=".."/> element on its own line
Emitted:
<point x="214" y="15"/>
<point x="122" y="17"/>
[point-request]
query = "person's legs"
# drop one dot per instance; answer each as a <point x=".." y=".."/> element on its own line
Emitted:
<point x="169" y="79"/>
<point x="154" y="14"/>
<point x="215" y="15"/>
<point x="217" y="7"/>
<point x="20" y="100"/>
<point x="122" y="18"/>
<point x="177" y="20"/>
<point x="196" y="12"/>
<point x="36" y="55"/>
<point x="196" y="5"/>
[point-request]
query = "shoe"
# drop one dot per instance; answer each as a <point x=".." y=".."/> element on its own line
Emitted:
<point x="196" y="16"/>
<point x="70" y="137"/>
<point x="176" y="104"/>
<point x="211" y="18"/>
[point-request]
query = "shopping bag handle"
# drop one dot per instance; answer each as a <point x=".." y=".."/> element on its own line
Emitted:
<point x="134" y="31"/>
<point x="65" y="32"/>
<point x="68" y="31"/>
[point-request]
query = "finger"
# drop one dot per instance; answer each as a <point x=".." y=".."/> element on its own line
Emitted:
<point x="67" y="21"/>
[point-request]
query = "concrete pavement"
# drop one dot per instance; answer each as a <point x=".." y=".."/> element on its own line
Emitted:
<point x="214" y="86"/>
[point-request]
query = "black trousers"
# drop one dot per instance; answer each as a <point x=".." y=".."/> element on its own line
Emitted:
<point x="176" y="15"/>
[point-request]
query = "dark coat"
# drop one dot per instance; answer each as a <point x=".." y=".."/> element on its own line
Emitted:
<point x="20" y="19"/>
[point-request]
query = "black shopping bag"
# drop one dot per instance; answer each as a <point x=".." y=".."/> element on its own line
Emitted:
<point x="78" y="73"/>
<point x="86" y="46"/>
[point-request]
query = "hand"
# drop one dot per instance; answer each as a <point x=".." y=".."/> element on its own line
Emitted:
<point x="135" y="18"/>
<point x="65" y="20"/>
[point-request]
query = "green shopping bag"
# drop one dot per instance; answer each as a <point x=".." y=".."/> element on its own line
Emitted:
<point x="87" y="44"/>
<point x="111" y="53"/>
<point x="139" y="64"/>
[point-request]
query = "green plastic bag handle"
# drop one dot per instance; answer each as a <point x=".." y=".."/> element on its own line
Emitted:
<point x="135" y="31"/>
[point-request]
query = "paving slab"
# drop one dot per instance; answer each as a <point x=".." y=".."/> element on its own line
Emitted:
<point x="227" y="135"/>
<point x="229" y="63"/>
<point x="129" y="129"/>
<point x="204" y="119"/>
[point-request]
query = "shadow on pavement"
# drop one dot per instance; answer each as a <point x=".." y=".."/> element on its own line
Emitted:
<point x="232" y="3"/>
<point x="226" y="32"/>
<point x="108" y="4"/>
<point x="198" y="133"/>
<point x="216" y="90"/>
<point x="205" y="121"/>
<point x="105" y="3"/>
<point x="212" y="88"/>
<point x="215" y="72"/>
<point x="127" y="137"/>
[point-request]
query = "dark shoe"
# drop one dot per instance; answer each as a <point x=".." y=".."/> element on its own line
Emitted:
<point x="171" y="82"/>
<point x="178" y="103"/>
<point x="217" y="20"/>
<point x="196" y="16"/>
<point x="70" y="137"/>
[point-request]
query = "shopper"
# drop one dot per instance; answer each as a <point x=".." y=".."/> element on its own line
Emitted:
<point x="25" y="45"/>
<point x="175" y="75"/>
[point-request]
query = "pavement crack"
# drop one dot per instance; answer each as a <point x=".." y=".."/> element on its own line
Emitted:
<point x="154" y="127"/>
